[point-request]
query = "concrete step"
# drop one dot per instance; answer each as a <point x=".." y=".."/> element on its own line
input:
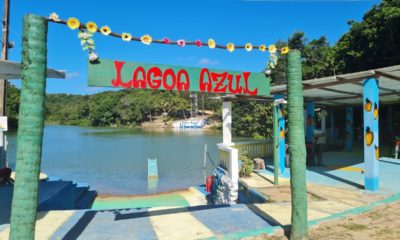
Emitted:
<point x="86" y="200"/>
<point x="56" y="195"/>
<point x="79" y="192"/>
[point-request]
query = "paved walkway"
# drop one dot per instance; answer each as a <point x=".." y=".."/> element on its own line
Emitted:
<point x="195" y="222"/>
<point x="323" y="201"/>
<point x="189" y="218"/>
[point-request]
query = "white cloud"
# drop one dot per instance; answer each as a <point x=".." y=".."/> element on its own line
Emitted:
<point x="207" y="61"/>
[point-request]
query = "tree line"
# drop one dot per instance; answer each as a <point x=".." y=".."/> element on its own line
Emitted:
<point x="128" y="107"/>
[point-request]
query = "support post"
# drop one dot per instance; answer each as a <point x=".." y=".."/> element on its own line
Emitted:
<point x="280" y="132"/>
<point x="310" y="122"/>
<point x="205" y="156"/>
<point x="30" y="129"/>
<point x="371" y="133"/>
<point x="297" y="150"/>
<point x="3" y="82"/>
<point x="323" y="121"/>
<point x="389" y="119"/>
<point x="227" y="123"/>
<point x="333" y="128"/>
<point x="276" y="144"/>
<point x="349" y="129"/>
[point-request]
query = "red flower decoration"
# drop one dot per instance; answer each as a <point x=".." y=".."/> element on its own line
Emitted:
<point x="198" y="43"/>
<point x="166" y="40"/>
<point x="181" y="42"/>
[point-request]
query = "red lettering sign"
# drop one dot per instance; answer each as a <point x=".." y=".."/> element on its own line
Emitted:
<point x="168" y="79"/>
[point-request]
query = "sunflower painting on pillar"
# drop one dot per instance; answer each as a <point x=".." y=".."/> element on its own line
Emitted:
<point x="371" y="133"/>
<point x="281" y="134"/>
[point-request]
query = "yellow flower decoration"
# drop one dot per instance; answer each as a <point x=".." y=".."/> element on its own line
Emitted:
<point x="248" y="47"/>
<point x="146" y="39"/>
<point x="73" y="23"/>
<point x="272" y="48"/>
<point x="126" y="36"/>
<point x="284" y="50"/>
<point x="105" y="30"/>
<point x="211" y="43"/>
<point x="91" y="27"/>
<point x="230" y="47"/>
<point x="262" y="48"/>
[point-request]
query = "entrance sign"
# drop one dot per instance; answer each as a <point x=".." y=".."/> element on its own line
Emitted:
<point x="120" y="74"/>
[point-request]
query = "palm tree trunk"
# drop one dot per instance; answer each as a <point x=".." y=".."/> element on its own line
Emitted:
<point x="299" y="229"/>
<point x="30" y="130"/>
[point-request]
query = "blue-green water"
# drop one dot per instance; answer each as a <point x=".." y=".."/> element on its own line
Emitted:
<point x="114" y="161"/>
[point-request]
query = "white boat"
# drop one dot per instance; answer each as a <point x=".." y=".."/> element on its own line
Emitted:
<point x="190" y="124"/>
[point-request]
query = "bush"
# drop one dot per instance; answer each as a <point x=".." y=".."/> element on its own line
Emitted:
<point x="247" y="165"/>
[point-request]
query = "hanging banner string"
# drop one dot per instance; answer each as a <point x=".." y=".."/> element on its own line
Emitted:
<point x="91" y="27"/>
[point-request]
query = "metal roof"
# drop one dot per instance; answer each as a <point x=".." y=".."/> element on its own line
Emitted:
<point x="12" y="70"/>
<point x="347" y="89"/>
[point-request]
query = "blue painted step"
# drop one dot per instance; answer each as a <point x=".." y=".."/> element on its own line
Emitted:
<point x="56" y="195"/>
<point x="86" y="200"/>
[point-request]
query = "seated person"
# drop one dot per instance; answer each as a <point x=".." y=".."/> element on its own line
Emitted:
<point x="5" y="175"/>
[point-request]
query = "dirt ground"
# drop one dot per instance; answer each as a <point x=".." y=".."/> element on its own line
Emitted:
<point x="383" y="222"/>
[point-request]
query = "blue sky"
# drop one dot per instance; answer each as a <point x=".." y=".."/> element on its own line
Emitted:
<point x="223" y="20"/>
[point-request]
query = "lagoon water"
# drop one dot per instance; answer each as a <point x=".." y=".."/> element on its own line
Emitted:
<point x="114" y="161"/>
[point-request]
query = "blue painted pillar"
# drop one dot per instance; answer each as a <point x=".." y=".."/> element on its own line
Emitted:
<point x="310" y="122"/>
<point x="349" y="129"/>
<point x="281" y="135"/>
<point x="371" y="133"/>
<point x="333" y="128"/>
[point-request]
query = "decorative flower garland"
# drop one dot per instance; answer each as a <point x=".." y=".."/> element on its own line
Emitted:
<point x="91" y="28"/>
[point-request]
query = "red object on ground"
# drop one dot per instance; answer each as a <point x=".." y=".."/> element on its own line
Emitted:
<point x="209" y="183"/>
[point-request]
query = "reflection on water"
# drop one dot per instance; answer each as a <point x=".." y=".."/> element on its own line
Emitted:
<point x="114" y="160"/>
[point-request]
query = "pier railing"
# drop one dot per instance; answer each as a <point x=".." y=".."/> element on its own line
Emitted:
<point x="256" y="149"/>
<point x="229" y="154"/>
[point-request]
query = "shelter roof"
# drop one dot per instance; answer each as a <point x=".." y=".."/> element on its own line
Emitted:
<point x="347" y="89"/>
<point x="12" y="70"/>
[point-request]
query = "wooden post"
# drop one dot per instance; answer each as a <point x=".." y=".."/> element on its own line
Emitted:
<point x="297" y="150"/>
<point x="371" y="133"/>
<point x="30" y="129"/>
<point x="3" y="82"/>
<point x="4" y="55"/>
<point x="349" y="129"/>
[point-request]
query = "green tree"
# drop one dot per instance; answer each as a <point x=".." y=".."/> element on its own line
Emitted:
<point x="12" y="106"/>
<point x="373" y="42"/>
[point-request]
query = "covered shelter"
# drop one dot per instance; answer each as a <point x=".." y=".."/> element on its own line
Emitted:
<point x="370" y="89"/>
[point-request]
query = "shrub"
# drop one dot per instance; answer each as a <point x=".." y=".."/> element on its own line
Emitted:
<point x="247" y="165"/>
